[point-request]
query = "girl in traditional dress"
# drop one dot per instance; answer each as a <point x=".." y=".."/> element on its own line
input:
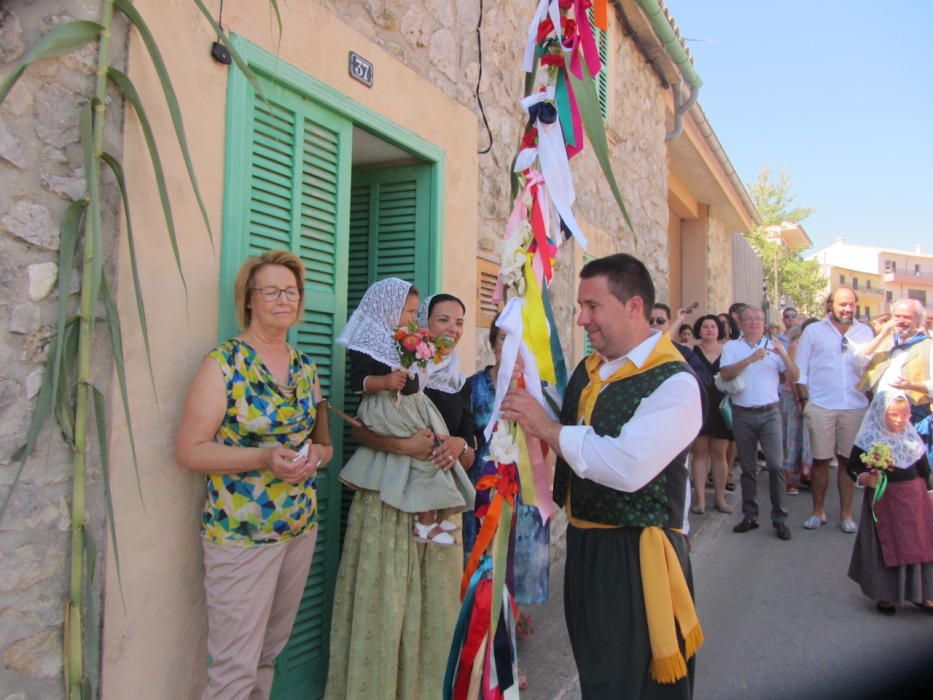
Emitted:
<point x="893" y="556"/>
<point x="394" y="404"/>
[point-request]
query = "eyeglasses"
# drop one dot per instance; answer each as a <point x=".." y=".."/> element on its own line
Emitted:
<point x="272" y="294"/>
<point x="844" y="346"/>
<point x="657" y="321"/>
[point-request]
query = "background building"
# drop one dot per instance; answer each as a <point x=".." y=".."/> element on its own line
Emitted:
<point x="880" y="276"/>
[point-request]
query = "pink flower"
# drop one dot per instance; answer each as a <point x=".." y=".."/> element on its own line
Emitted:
<point x="424" y="352"/>
<point x="411" y="341"/>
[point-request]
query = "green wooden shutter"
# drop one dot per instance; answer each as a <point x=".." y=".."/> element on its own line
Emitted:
<point x="389" y="236"/>
<point x="287" y="186"/>
<point x="602" y="77"/>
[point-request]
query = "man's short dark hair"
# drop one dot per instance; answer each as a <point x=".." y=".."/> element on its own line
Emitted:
<point x="789" y="308"/>
<point x="664" y="307"/>
<point x="737" y="307"/>
<point x="626" y="276"/>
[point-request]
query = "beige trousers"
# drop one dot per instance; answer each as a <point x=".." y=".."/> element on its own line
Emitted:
<point x="253" y="595"/>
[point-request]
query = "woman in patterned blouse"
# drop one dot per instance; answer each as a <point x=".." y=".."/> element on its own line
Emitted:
<point x="253" y="424"/>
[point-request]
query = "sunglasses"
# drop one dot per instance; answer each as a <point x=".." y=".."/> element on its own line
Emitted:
<point x="657" y="321"/>
<point x="792" y="314"/>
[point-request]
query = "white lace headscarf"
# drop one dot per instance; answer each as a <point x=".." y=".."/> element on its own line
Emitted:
<point x="444" y="376"/>
<point x="373" y="323"/>
<point x="906" y="445"/>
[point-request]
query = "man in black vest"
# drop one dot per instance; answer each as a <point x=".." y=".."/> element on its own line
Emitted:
<point x="630" y="412"/>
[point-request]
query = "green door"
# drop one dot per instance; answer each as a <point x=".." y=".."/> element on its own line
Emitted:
<point x="288" y="176"/>
<point x="289" y="185"/>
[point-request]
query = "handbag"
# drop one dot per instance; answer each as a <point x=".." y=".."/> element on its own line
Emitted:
<point x="725" y="408"/>
<point x="731" y="386"/>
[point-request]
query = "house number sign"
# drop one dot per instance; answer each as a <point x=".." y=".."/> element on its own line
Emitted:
<point x="361" y="69"/>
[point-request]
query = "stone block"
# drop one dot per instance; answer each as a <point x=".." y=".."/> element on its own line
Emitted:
<point x="443" y="54"/>
<point x="29" y="564"/>
<point x="11" y="36"/>
<point x="32" y="223"/>
<point x="42" y="279"/>
<point x="39" y="656"/>
<point x="24" y="318"/>
<point x="70" y="186"/>
<point x="36" y="347"/>
<point x="34" y="382"/>
<point x="11" y="150"/>
<point x="56" y="115"/>
<point x="442" y="11"/>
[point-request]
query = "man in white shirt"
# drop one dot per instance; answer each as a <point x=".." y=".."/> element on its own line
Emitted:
<point x="756" y="415"/>
<point x="630" y="412"/>
<point x="830" y="370"/>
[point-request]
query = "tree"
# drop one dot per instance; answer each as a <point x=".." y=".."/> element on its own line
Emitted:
<point x="787" y="274"/>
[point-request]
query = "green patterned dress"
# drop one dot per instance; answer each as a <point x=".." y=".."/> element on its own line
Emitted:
<point x="256" y="507"/>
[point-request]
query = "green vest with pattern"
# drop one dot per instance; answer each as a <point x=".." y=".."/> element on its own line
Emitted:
<point x="661" y="501"/>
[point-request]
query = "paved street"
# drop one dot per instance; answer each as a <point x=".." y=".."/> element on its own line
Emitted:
<point x="781" y="619"/>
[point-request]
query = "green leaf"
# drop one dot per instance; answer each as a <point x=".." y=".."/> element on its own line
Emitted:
<point x="237" y="58"/>
<point x="126" y="87"/>
<point x="171" y="100"/>
<point x="116" y="341"/>
<point x="92" y="176"/>
<point x="69" y="232"/>
<point x="117" y="171"/>
<point x="100" y="420"/>
<point x="91" y="623"/>
<point x="63" y="404"/>
<point x="59" y="40"/>
<point x="588" y="104"/>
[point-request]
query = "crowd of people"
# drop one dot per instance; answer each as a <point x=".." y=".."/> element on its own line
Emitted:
<point x="255" y="425"/>
<point x="810" y="394"/>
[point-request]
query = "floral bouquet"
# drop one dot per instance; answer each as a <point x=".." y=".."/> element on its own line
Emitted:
<point x="878" y="458"/>
<point x="416" y="348"/>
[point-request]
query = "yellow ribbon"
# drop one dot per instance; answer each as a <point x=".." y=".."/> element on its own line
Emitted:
<point x="667" y="602"/>
<point x="536" y="331"/>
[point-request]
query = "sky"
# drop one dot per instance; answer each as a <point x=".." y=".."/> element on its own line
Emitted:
<point x="838" y="94"/>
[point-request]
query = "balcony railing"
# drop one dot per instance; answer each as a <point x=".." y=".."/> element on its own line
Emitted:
<point x="924" y="279"/>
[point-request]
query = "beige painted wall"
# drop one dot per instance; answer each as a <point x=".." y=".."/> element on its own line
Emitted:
<point x="154" y="646"/>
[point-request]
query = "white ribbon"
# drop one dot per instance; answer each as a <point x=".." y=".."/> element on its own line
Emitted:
<point x="552" y="154"/>
<point x="545" y="8"/>
<point x="510" y="322"/>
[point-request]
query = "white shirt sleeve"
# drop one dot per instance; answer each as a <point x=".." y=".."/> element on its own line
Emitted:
<point x="802" y="357"/>
<point x="663" y="425"/>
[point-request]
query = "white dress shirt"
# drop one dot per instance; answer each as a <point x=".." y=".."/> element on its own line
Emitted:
<point x="762" y="378"/>
<point x="831" y="369"/>
<point x="662" y="427"/>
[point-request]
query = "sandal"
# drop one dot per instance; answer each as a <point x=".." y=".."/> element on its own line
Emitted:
<point x="432" y="534"/>
<point x="697" y="510"/>
<point x="730" y="486"/>
<point x="724" y="508"/>
<point x="448" y="526"/>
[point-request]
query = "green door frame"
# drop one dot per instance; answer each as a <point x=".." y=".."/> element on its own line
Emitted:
<point x="273" y="68"/>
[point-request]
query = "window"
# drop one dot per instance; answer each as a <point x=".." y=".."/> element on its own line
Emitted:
<point x="867" y="284"/>
<point x="602" y="77"/>
<point x="487" y="273"/>
<point x="858" y="311"/>
<point x="867" y="313"/>
<point x="890" y="266"/>
<point x="855" y="283"/>
<point x="889" y="297"/>
<point x="916" y="269"/>
<point x="918" y="294"/>
<point x="842" y="279"/>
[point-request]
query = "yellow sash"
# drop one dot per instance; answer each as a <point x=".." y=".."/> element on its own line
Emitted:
<point x="915" y="370"/>
<point x="667" y="597"/>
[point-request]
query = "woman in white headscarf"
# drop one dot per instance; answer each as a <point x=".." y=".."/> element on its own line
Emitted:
<point x="892" y="560"/>
<point x="396" y="600"/>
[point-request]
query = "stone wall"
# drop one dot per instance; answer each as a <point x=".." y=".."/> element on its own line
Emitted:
<point x="719" y="267"/>
<point x="40" y="173"/>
